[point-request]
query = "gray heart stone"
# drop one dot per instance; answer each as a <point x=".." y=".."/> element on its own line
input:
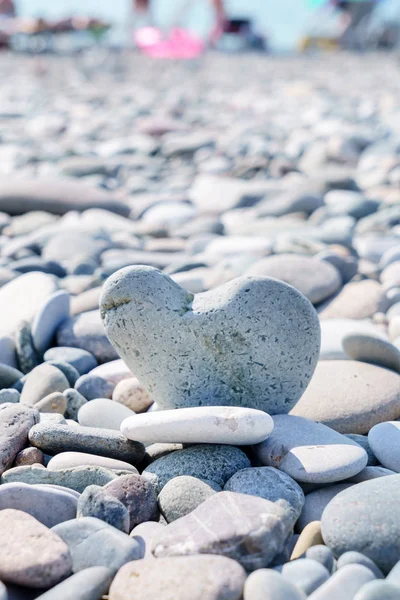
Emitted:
<point x="251" y="342"/>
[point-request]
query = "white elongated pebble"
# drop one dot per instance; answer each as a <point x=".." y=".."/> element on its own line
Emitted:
<point x="200" y="425"/>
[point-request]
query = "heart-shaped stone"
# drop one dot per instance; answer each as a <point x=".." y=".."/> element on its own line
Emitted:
<point x="251" y="342"/>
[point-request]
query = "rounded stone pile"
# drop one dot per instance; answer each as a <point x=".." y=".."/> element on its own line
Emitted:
<point x="200" y="328"/>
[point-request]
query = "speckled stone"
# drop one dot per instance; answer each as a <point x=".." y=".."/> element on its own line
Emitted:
<point x="270" y="484"/>
<point x="195" y="577"/>
<point x="75" y="401"/>
<point x="211" y="462"/>
<point x="27" y="356"/>
<point x="89" y="584"/>
<point x="95" y="502"/>
<point x="181" y="495"/>
<point x="43" y="380"/>
<point x="345" y="583"/>
<point x="364" y="506"/>
<point x="177" y="324"/>
<point x="310" y="452"/>
<point x="374" y="392"/>
<point x="31" y="554"/>
<point x="316" y="279"/>
<point x="384" y="440"/>
<point x="52" y="403"/>
<point x="367" y="348"/>
<point x="49" y="506"/>
<point x="77" y="478"/>
<point x="54" y="439"/>
<point x="217" y="524"/>
<point x="93" y="543"/>
<point x="236" y="425"/>
<point x="9" y="395"/>
<point x="266" y="584"/>
<point x="138" y="495"/>
<point x="29" y="456"/>
<point x="15" y="423"/>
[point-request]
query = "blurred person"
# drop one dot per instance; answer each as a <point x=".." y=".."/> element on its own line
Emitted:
<point x="7" y="9"/>
<point x="355" y="17"/>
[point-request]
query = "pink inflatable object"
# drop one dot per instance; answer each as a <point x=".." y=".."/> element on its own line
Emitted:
<point x="180" y="44"/>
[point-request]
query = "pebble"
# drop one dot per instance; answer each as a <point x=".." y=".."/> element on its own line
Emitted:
<point x="378" y="590"/>
<point x="384" y="440"/>
<point x="349" y="558"/>
<point x="95" y="502"/>
<point x="82" y="360"/>
<point x="270" y="484"/>
<point x="261" y="526"/>
<point x="197" y="577"/>
<point x="76" y="478"/>
<point x="106" y="414"/>
<point x="362" y="440"/>
<point x="31" y="554"/>
<point x="131" y="393"/>
<point x="9" y="376"/>
<point x="27" y="356"/>
<point x="333" y="331"/>
<point x="88" y="584"/>
<point x="181" y="495"/>
<point x="316" y="502"/>
<point x="53" y="403"/>
<point x="215" y="463"/>
<point x="363" y="506"/>
<point x="86" y="331"/>
<point x="374" y="392"/>
<point x="138" y="495"/>
<point x="345" y="583"/>
<point x="69" y="460"/>
<point x="370" y="349"/>
<point x="317" y="280"/>
<point x="176" y="319"/>
<point x="29" y="456"/>
<point x="47" y="320"/>
<point x="113" y="371"/>
<point x="266" y="584"/>
<point x="306" y="574"/>
<point x="69" y="371"/>
<point x="200" y="425"/>
<point x="322" y="554"/>
<point x="42" y="381"/>
<point x="310" y="452"/>
<point x="75" y="401"/>
<point x="144" y="534"/>
<point x="94" y="543"/>
<point x="16" y="421"/>
<point x="93" y="386"/>
<point x="48" y="506"/>
<point x="54" y="439"/>
<point x="309" y="537"/>
<point x="357" y="300"/>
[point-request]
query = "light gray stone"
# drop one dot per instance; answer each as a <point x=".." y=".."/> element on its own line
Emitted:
<point x="306" y="574"/>
<point x="350" y="558"/>
<point x="378" y="590"/>
<point x="248" y="529"/>
<point x="197" y="577"/>
<point x="310" y="452"/>
<point x="138" y="495"/>
<point x="48" y="506"/>
<point x="345" y="583"/>
<point x="75" y="401"/>
<point x="374" y="393"/>
<point x="69" y="460"/>
<point x="131" y="393"/>
<point x="266" y="584"/>
<point x="181" y="495"/>
<point x="31" y="554"/>
<point x="89" y="584"/>
<point x="54" y="311"/>
<point x="41" y="382"/>
<point x="155" y="344"/>
<point x="372" y="350"/>
<point x="52" y="403"/>
<point x="316" y="279"/>
<point x="82" y="360"/>
<point x="105" y="414"/>
<point x="16" y="421"/>
<point x="93" y="543"/>
<point x="384" y="440"/>
<point x="144" y="534"/>
<point x="316" y="503"/>
<point x="86" y="331"/>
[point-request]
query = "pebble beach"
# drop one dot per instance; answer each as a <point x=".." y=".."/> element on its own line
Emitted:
<point x="200" y="327"/>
